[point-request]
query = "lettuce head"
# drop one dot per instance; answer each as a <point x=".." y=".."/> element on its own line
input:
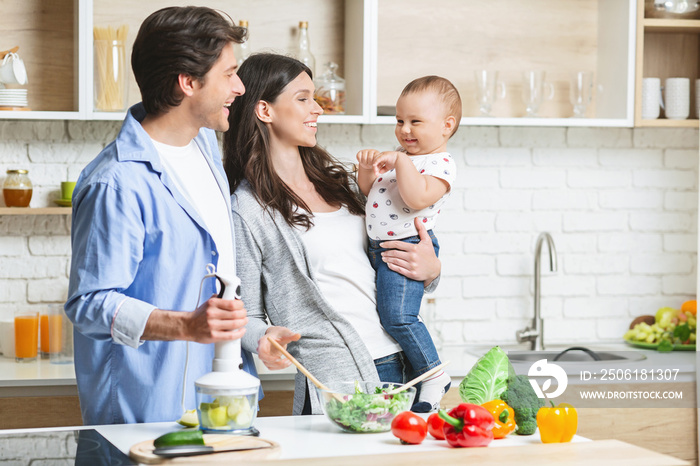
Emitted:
<point x="487" y="379"/>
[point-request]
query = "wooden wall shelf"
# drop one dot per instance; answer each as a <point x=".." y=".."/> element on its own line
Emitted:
<point x="558" y="37"/>
<point x="671" y="25"/>
<point x="664" y="123"/>
<point x="666" y="48"/>
<point x="36" y="210"/>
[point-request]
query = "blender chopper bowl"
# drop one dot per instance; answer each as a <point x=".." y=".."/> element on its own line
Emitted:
<point x="226" y="410"/>
<point x="227" y="397"/>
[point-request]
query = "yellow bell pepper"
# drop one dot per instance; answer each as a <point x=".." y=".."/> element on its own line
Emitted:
<point x="557" y="424"/>
<point x="503" y="415"/>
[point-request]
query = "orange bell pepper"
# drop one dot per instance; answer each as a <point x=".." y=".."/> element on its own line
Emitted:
<point x="557" y="424"/>
<point x="503" y="415"/>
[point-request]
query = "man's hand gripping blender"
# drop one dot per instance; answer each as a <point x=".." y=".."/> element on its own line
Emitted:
<point x="227" y="397"/>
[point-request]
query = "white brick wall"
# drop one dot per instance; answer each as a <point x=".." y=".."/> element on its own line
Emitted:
<point x="621" y="205"/>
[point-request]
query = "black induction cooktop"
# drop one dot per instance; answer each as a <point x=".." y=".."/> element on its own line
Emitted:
<point x="62" y="447"/>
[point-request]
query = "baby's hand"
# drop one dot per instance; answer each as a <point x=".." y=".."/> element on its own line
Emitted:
<point x="385" y="161"/>
<point x="365" y="158"/>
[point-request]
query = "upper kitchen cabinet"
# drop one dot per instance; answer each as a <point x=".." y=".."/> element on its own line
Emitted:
<point x="457" y="39"/>
<point x="47" y="34"/>
<point x="668" y="46"/>
<point x="336" y="33"/>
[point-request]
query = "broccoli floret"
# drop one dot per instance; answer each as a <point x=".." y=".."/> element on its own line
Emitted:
<point x="522" y="398"/>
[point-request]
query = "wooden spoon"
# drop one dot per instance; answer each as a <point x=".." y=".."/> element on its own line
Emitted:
<point x="303" y="370"/>
<point x="411" y="383"/>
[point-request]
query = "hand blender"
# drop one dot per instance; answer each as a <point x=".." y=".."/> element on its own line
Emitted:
<point x="227" y="397"/>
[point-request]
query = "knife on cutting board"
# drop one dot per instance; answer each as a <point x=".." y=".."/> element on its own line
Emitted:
<point x="222" y="444"/>
<point x="193" y="450"/>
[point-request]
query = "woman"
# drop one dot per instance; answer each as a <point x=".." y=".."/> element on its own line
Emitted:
<point x="300" y="242"/>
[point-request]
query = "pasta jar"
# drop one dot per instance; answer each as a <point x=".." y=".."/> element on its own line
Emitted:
<point x="17" y="188"/>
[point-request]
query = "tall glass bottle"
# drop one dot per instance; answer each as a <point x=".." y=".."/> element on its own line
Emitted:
<point x="304" y="48"/>
<point x="242" y="50"/>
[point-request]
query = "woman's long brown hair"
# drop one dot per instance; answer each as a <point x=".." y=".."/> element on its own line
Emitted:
<point x="247" y="146"/>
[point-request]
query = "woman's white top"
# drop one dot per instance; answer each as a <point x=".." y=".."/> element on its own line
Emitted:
<point x="337" y="250"/>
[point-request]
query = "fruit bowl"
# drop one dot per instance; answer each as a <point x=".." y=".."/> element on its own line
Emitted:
<point x="364" y="406"/>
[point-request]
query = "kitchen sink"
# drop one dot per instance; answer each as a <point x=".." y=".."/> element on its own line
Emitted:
<point x="576" y="354"/>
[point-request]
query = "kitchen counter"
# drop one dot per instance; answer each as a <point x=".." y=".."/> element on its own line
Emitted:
<point x="314" y="440"/>
<point x="41" y="378"/>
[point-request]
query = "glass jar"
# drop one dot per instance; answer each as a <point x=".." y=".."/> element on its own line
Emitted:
<point x="17" y="189"/>
<point x="330" y="91"/>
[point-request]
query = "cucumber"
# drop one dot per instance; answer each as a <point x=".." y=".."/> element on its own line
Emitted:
<point x="180" y="437"/>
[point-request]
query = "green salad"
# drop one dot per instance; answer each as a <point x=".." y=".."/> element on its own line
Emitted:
<point x="367" y="412"/>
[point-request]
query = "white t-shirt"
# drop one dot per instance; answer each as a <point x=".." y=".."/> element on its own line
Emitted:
<point x="336" y="247"/>
<point x="193" y="176"/>
<point x="388" y="217"/>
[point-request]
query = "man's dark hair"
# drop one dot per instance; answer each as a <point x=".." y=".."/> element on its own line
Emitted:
<point x="174" y="41"/>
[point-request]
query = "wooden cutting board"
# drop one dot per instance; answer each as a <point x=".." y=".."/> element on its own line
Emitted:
<point x="142" y="452"/>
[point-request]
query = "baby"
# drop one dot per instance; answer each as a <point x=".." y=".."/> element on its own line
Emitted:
<point x="401" y="186"/>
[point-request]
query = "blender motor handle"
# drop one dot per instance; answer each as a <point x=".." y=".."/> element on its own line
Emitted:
<point x="230" y="286"/>
<point x="228" y="353"/>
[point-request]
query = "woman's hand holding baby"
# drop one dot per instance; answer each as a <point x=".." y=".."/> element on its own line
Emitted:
<point x="415" y="261"/>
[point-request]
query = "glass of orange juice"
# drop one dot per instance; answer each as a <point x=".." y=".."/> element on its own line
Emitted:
<point x="50" y="323"/>
<point x="26" y="335"/>
<point x="60" y="344"/>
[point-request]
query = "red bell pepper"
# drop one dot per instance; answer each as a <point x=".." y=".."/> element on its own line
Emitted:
<point x="467" y="425"/>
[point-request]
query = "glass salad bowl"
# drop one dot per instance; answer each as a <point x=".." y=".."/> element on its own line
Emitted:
<point x="364" y="406"/>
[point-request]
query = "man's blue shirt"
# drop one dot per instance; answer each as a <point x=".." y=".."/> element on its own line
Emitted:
<point x="138" y="245"/>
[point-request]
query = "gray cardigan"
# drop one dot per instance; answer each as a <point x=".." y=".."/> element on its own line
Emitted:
<point x="277" y="282"/>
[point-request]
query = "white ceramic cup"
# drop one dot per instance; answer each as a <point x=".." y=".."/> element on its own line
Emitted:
<point x="677" y="98"/>
<point x="12" y="70"/>
<point x="7" y="338"/>
<point x="651" y="98"/>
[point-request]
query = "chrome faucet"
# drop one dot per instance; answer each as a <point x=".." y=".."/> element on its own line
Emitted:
<point x="535" y="332"/>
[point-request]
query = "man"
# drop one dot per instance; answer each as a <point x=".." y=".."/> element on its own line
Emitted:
<point x="149" y="213"/>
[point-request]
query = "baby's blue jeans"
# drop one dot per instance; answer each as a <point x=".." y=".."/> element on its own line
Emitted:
<point x="398" y="304"/>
